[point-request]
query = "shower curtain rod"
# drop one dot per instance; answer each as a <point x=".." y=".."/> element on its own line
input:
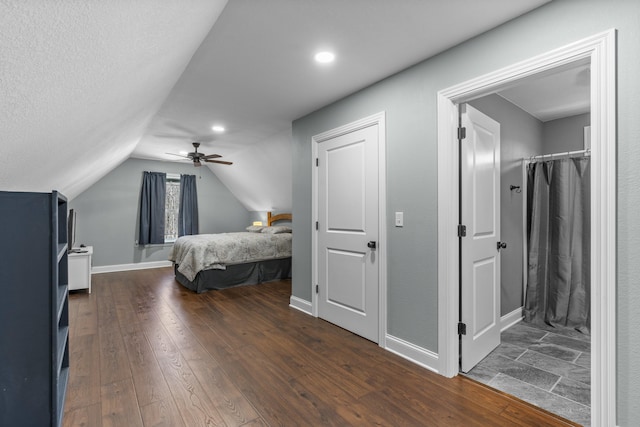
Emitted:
<point x="566" y="153"/>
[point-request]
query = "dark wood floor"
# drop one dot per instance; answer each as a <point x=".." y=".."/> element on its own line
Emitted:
<point x="147" y="352"/>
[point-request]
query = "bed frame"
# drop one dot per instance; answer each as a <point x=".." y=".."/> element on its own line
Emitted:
<point x="241" y="274"/>
<point x="280" y="217"/>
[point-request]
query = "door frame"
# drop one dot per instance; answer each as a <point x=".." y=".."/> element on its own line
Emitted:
<point x="600" y="50"/>
<point x="378" y="119"/>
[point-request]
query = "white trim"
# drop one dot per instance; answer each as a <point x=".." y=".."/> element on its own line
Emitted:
<point x="413" y="353"/>
<point x="510" y="319"/>
<point x="300" y="304"/>
<point x="600" y="50"/>
<point x="129" y="267"/>
<point x="378" y="119"/>
<point x="525" y="235"/>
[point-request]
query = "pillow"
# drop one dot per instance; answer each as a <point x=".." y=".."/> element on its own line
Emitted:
<point x="254" y="228"/>
<point x="276" y="229"/>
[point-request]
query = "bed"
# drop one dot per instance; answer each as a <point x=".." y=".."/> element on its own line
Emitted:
<point x="218" y="261"/>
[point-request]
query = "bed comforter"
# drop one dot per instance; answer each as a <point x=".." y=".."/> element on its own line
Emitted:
<point x="206" y="251"/>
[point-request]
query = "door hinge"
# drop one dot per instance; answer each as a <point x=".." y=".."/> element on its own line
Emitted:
<point x="462" y="328"/>
<point x="317" y="162"/>
<point x="462" y="132"/>
<point x="462" y="230"/>
<point x="317" y="289"/>
<point x="317" y="225"/>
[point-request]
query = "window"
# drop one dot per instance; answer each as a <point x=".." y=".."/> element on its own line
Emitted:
<point x="172" y="207"/>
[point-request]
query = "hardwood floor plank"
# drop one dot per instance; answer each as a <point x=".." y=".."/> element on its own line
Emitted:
<point x="127" y="317"/>
<point x="148" y="378"/>
<point x="86" y="416"/>
<point x="344" y="408"/>
<point x="161" y="413"/>
<point x="192" y="401"/>
<point x="73" y="315"/>
<point x="83" y="388"/>
<point x="301" y="401"/>
<point x="86" y="321"/>
<point x="114" y="363"/>
<point x="119" y="405"/>
<point x="234" y="408"/>
<point x="147" y="351"/>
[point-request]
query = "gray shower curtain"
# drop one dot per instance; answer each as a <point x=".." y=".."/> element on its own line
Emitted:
<point x="558" y="217"/>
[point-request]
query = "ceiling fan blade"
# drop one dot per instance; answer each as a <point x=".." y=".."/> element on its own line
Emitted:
<point x="211" y="156"/>
<point x="218" y="161"/>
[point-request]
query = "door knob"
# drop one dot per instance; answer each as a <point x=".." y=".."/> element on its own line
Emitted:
<point x="501" y="245"/>
<point x="371" y="244"/>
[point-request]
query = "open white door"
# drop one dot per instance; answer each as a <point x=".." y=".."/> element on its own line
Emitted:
<point x="348" y="276"/>
<point x="480" y="254"/>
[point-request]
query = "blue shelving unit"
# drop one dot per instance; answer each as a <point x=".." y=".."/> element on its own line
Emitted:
<point x="34" y="309"/>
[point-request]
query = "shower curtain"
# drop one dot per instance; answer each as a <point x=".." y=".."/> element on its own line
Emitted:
<point x="558" y="200"/>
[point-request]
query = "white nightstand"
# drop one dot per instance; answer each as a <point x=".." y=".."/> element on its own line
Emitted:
<point x="80" y="268"/>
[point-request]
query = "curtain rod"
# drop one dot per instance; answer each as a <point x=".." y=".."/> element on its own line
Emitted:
<point x="566" y="153"/>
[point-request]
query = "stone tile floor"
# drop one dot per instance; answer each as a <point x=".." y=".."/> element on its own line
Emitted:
<point x="546" y="366"/>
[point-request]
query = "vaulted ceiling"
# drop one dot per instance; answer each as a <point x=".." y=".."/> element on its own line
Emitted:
<point x="87" y="84"/>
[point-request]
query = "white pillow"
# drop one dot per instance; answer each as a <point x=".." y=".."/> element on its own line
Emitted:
<point x="254" y="228"/>
<point x="276" y="229"/>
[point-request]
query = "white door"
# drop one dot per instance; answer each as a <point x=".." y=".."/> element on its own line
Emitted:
<point x="348" y="230"/>
<point x="480" y="255"/>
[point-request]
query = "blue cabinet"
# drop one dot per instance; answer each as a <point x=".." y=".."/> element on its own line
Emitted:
<point x="34" y="309"/>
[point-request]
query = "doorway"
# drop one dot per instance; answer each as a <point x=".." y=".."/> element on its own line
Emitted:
<point x="548" y="366"/>
<point x="599" y="50"/>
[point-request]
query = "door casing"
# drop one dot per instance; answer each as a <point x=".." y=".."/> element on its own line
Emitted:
<point x="600" y="51"/>
<point x="379" y="120"/>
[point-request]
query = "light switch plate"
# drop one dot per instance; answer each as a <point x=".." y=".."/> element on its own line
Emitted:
<point x="399" y="219"/>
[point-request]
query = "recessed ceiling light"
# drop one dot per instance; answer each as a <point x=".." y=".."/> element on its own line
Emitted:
<point x="324" y="57"/>
<point x="217" y="128"/>
<point x="183" y="152"/>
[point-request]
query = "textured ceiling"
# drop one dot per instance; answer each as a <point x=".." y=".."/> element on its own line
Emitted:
<point x="87" y="84"/>
<point x="255" y="72"/>
<point x="80" y="81"/>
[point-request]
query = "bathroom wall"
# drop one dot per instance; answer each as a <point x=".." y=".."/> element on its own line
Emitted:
<point x="565" y="134"/>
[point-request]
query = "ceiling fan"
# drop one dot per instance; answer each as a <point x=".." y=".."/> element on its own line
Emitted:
<point x="197" y="158"/>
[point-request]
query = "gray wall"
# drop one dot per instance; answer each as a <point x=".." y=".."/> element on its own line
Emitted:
<point x="520" y="136"/>
<point x="108" y="211"/>
<point x="565" y="134"/>
<point x="409" y="99"/>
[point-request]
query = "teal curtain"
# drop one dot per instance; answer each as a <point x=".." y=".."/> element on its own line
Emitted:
<point x="188" y="210"/>
<point x="152" y="203"/>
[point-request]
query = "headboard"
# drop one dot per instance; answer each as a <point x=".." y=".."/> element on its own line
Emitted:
<point x="280" y="217"/>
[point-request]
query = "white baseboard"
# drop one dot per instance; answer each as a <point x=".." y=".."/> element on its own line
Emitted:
<point x="413" y="353"/>
<point x="510" y="319"/>
<point x="128" y="267"/>
<point x="300" y="304"/>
